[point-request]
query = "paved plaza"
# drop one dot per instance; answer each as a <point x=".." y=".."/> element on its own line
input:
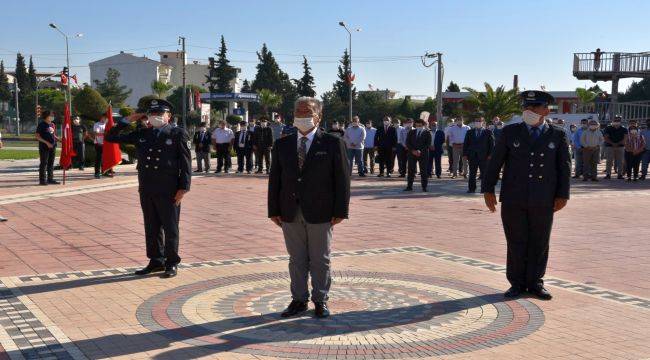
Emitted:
<point x="415" y="275"/>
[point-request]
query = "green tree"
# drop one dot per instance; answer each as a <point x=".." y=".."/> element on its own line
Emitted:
<point x="175" y="98"/>
<point x="342" y="86"/>
<point x="126" y="111"/>
<point x="638" y="91"/>
<point x="305" y="86"/>
<point x="269" y="100"/>
<point x="5" y="89"/>
<point x="111" y="90"/>
<point x="268" y="74"/>
<point x="246" y="87"/>
<point x="405" y="108"/>
<point x="31" y="74"/>
<point x="453" y="87"/>
<point x="50" y="99"/>
<point x="369" y="106"/>
<point x="90" y="104"/>
<point x="22" y="78"/>
<point x="221" y="75"/>
<point x="585" y="97"/>
<point x="495" y="102"/>
<point x="160" y="88"/>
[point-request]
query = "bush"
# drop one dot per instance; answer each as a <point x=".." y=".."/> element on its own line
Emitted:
<point x="233" y="119"/>
<point x="126" y="111"/>
<point x="89" y="104"/>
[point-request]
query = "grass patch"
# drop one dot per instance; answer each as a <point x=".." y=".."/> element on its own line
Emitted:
<point x="21" y="154"/>
<point x="20" y="143"/>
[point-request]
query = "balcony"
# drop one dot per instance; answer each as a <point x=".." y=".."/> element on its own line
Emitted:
<point x="606" y="66"/>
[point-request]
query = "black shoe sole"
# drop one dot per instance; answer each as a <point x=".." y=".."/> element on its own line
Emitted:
<point x="140" y="273"/>
<point x="283" y="315"/>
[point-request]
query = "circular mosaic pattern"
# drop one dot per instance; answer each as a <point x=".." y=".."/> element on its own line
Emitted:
<point x="373" y="314"/>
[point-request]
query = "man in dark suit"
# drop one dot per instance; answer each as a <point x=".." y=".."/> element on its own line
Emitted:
<point x="536" y="180"/>
<point x="309" y="193"/>
<point x="418" y="141"/>
<point x="164" y="176"/>
<point x="477" y="150"/>
<point x="202" y="140"/>
<point x="244" y="148"/>
<point x="385" y="142"/>
<point x="436" y="150"/>
<point x="262" y="142"/>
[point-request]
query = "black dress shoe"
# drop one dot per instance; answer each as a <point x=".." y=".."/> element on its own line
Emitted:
<point x="408" y="189"/>
<point x="170" y="271"/>
<point x="425" y="190"/>
<point x="541" y="293"/>
<point x="380" y="175"/>
<point x="42" y="183"/>
<point x="321" y="311"/>
<point x="295" y="307"/>
<point x="513" y="292"/>
<point x="471" y="191"/>
<point x="150" y="269"/>
<point x="53" y="182"/>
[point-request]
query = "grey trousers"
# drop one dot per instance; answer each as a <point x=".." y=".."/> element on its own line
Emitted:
<point x="203" y="157"/>
<point x="308" y="246"/>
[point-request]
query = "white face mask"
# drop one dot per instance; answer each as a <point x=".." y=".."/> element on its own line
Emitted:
<point x="304" y="124"/>
<point x="530" y="117"/>
<point x="478" y="125"/>
<point x="355" y="124"/>
<point x="633" y="132"/>
<point x="593" y="127"/>
<point x="157" y="121"/>
<point x="386" y="123"/>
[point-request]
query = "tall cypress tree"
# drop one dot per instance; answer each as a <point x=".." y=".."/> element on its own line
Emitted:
<point x="222" y="75"/>
<point x="305" y="86"/>
<point x="31" y="74"/>
<point x="341" y="86"/>
<point x="21" y="75"/>
<point x="246" y="87"/>
<point x="268" y="72"/>
<point x="5" y="90"/>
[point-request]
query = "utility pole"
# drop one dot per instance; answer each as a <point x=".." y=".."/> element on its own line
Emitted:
<point x="349" y="74"/>
<point x="16" y="90"/>
<point x="181" y="41"/>
<point x="439" y="105"/>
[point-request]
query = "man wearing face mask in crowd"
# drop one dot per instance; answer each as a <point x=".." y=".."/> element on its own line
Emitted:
<point x="309" y="194"/>
<point x="244" y="148"/>
<point x="591" y="139"/>
<point x="222" y="139"/>
<point x="577" y="148"/>
<point x="369" y="148"/>
<point x="262" y="143"/>
<point x="418" y="141"/>
<point x="164" y="176"/>
<point x="336" y="129"/>
<point x="634" y="148"/>
<point x="477" y="149"/>
<point x="79" y="135"/>
<point x="402" y="151"/>
<point x="498" y="127"/>
<point x="535" y="184"/>
<point x="615" y="147"/>
<point x="385" y="142"/>
<point x="202" y="141"/>
<point x="456" y="137"/>
<point x="355" y="137"/>
<point x="98" y="138"/>
<point x="436" y="150"/>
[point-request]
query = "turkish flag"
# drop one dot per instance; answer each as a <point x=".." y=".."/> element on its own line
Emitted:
<point x="67" y="150"/>
<point x="64" y="79"/>
<point x="111" y="154"/>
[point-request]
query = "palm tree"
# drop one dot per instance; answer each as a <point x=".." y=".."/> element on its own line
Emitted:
<point x="585" y="97"/>
<point x="495" y="102"/>
<point x="160" y="88"/>
<point x="269" y="100"/>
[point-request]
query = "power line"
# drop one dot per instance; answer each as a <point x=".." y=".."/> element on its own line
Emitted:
<point x="11" y="52"/>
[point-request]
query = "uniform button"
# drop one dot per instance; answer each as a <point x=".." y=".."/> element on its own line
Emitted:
<point x="541" y="165"/>
<point x="540" y="176"/>
<point x="531" y="165"/>
<point x="150" y="149"/>
<point x="530" y="175"/>
<point x="148" y="157"/>
<point x="156" y="167"/>
<point x="532" y="153"/>
<point x="161" y="150"/>
<point x="542" y="154"/>
<point x="147" y="166"/>
<point x="299" y="179"/>
<point x="157" y="159"/>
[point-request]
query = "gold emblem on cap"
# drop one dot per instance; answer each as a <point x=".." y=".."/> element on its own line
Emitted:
<point x="154" y="102"/>
<point x="531" y="94"/>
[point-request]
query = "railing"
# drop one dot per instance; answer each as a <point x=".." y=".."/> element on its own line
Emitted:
<point x="639" y="111"/>
<point x="609" y="62"/>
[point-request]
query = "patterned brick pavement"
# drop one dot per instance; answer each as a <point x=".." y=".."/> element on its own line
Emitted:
<point x="417" y="275"/>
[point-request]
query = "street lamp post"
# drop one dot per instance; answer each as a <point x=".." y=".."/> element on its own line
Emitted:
<point x="349" y="75"/>
<point x="67" y="61"/>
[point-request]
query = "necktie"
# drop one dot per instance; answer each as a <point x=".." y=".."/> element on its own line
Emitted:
<point x="478" y="133"/>
<point x="156" y="132"/>
<point x="302" y="152"/>
<point x="534" y="133"/>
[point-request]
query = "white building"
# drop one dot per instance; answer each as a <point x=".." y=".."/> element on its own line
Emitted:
<point x="136" y="73"/>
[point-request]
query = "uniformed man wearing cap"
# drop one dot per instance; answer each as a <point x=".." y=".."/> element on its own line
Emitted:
<point x="164" y="175"/>
<point x="536" y="175"/>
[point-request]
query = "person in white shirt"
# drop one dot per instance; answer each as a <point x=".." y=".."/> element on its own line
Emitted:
<point x="369" y="148"/>
<point x="98" y="138"/>
<point x="222" y="139"/>
<point x="456" y="138"/>
<point x="402" y="153"/>
<point x="355" y="137"/>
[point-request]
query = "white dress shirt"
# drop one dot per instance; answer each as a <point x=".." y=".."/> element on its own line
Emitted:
<point x="310" y="138"/>
<point x="223" y="136"/>
<point x="457" y="134"/>
<point x="98" y="130"/>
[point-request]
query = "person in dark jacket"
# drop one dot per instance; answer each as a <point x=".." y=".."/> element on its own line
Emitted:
<point x="418" y="141"/>
<point x="309" y="194"/>
<point x="536" y="180"/>
<point x="244" y="148"/>
<point x="202" y="140"/>
<point x="336" y="129"/>
<point x="477" y="150"/>
<point x="385" y="143"/>
<point x="47" y="140"/>
<point x="262" y="143"/>
<point x="164" y="176"/>
<point x="436" y="150"/>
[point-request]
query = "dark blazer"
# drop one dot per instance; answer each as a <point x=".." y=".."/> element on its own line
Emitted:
<point x="321" y="189"/>
<point x="535" y="173"/>
<point x="164" y="161"/>
<point x="386" y="139"/>
<point x="202" y="145"/>
<point x="263" y="137"/>
<point x="422" y="142"/>
<point x="438" y="142"/>
<point x="480" y="147"/>
<point x="248" y="140"/>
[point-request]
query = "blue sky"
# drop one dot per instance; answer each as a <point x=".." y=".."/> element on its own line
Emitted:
<point x="481" y="40"/>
